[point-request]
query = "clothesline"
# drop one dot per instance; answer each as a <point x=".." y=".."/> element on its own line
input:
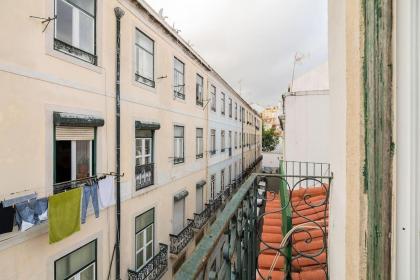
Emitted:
<point x="35" y="191"/>
<point x="63" y="210"/>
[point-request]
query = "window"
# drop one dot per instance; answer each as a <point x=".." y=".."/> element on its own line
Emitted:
<point x="222" y="141"/>
<point x="74" y="153"/>
<point x="230" y="107"/>
<point x="213" y="98"/>
<point x="75" y="29"/>
<point x="144" y="158"/>
<point x="240" y="113"/>
<point x="236" y="140"/>
<point x="179" y="85"/>
<point x="212" y="186"/>
<point x="212" y="141"/>
<point x="222" y="179"/>
<point x="230" y="175"/>
<point x="230" y="140"/>
<point x="144" y="48"/>
<point x="199" y="203"/>
<point x="78" y="265"/>
<point x="199" y="142"/>
<point x="178" y="144"/>
<point x="236" y="111"/>
<point x="179" y="215"/>
<point x="236" y="170"/>
<point x="145" y="227"/>
<point x="199" y="91"/>
<point x="223" y="105"/>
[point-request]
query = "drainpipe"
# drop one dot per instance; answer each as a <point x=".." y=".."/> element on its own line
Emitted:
<point x="119" y="13"/>
<point x="243" y="139"/>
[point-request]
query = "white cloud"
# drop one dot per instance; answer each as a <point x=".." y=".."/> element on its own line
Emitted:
<point x="253" y="40"/>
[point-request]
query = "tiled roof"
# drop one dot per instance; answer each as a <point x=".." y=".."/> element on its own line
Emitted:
<point x="309" y="255"/>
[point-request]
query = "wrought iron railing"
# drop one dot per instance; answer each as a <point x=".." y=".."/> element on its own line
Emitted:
<point x="201" y="219"/>
<point x="239" y="227"/>
<point x="154" y="269"/>
<point x="235" y="225"/>
<point x="76" y="52"/>
<point x="179" y="241"/>
<point x="226" y="193"/>
<point x="144" y="175"/>
<point x="217" y="202"/>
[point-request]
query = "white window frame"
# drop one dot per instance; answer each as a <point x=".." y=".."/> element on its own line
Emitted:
<point x="199" y="145"/>
<point x="179" y="142"/>
<point x="76" y="11"/>
<point x="138" y="47"/>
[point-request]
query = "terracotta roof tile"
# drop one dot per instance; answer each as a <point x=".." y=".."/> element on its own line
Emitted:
<point x="308" y="205"/>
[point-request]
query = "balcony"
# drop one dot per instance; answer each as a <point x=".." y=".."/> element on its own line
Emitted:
<point x="180" y="241"/>
<point x="295" y="206"/>
<point x="222" y="150"/>
<point x="212" y="152"/>
<point x="201" y="219"/>
<point x="144" y="175"/>
<point x="155" y="268"/>
<point x="226" y="193"/>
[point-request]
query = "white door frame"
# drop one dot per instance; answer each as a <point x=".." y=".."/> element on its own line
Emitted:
<point x="406" y="257"/>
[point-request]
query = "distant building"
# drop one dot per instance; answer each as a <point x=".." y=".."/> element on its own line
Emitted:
<point x="270" y="117"/>
<point x="306" y="108"/>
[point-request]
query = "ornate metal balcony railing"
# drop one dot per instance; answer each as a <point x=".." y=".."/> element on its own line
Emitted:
<point x="217" y="202"/>
<point x="239" y="227"/>
<point x="201" y="219"/>
<point x="234" y="224"/>
<point x="179" y="241"/>
<point x="144" y="175"/>
<point x="226" y="193"/>
<point x="76" y="52"/>
<point x="154" y="269"/>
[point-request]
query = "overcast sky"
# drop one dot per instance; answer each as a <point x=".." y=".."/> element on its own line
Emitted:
<point x="253" y="40"/>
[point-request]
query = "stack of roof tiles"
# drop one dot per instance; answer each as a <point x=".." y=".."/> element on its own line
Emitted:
<point x="309" y="206"/>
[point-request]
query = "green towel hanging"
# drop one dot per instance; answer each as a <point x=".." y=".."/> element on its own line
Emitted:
<point x="64" y="214"/>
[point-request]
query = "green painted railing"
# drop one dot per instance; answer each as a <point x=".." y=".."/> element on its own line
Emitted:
<point x="236" y="224"/>
<point x="286" y="214"/>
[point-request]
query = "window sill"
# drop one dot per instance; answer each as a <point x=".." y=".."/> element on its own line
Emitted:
<point x="73" y="60"/>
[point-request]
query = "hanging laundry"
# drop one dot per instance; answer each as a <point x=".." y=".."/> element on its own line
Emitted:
<point x="32" y="212"/>
<point x="90" y="191"/>
<point x="18" y="199"/>
<point x="7" y="215"/>
<point x="106" y="192"/>
<point x="64" y="214"/>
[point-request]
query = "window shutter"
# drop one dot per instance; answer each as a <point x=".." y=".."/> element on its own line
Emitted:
<point x="178" y="216"/>
<point x="199" y="200"/>
<point x="63" y="133"/>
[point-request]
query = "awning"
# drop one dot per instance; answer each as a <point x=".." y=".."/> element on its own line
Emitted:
<point x="180" y="195"/>
<point x="147" y="125"/>
<point x="69" y="119"/>
<point x="200" y="184"/>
